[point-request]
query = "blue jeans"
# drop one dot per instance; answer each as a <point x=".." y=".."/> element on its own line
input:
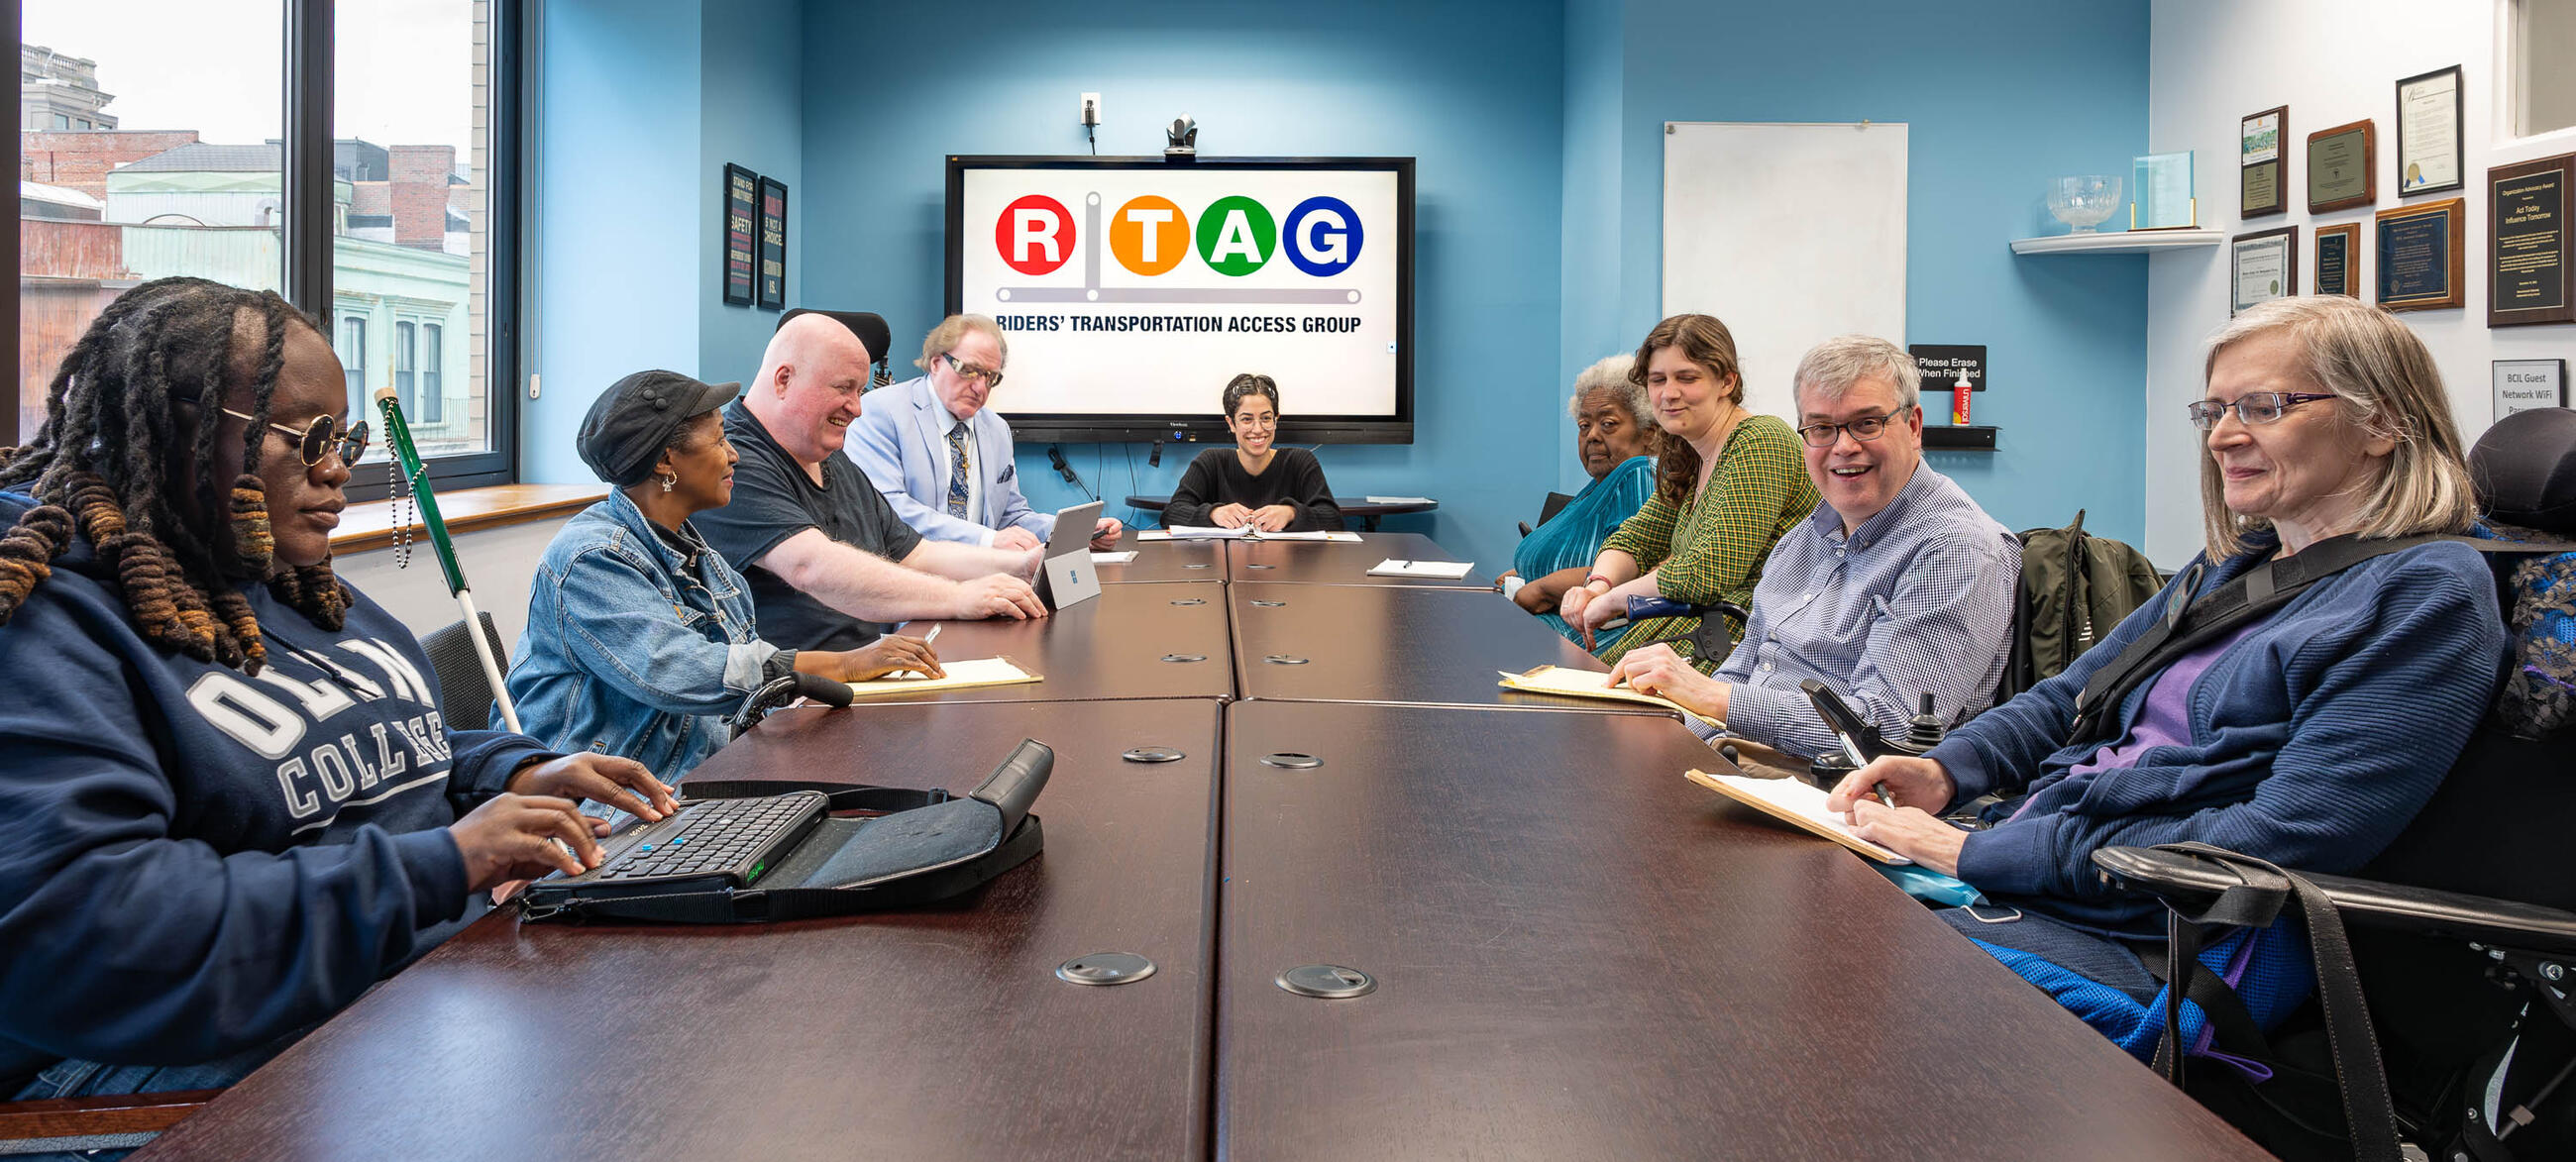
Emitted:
<point x="91" y="1079"/>
<point x="73" y="1078"/>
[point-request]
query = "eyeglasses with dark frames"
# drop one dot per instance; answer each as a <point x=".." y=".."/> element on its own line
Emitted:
<point x="978" y="372"/>
<point x="2253" y="407"/>
<point x="320" y="438"/>
<point x="1864" y="429"/>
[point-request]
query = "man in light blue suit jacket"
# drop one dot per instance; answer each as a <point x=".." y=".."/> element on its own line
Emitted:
<point x="911" y="437"/>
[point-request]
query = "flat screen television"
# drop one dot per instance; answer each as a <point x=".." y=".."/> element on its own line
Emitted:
<point x="1131" y="289"/>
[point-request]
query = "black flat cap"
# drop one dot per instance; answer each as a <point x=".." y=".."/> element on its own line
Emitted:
<point x="869" y="326"/>
<point x="631" y="422"/>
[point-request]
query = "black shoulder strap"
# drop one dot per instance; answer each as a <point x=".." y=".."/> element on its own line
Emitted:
<point x="841" y="796"/>
<point x="2370" y="1115"/>
<point x="2246" y="598"/>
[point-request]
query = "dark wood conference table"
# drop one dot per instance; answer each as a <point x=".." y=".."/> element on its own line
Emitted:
<point x="1366" y="643"/>
<point x="934" y="1033"/>
<point x="1343" y="562"/>
<point x="1166" y="561"/>
<point x="1110" y="647"/>
<point x="1579" y="954"/>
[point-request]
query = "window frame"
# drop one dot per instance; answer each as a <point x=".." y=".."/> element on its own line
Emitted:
<point x="310" y="87"/>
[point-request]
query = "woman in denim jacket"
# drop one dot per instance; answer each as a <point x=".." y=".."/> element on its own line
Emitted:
<point x="640" y="638"/>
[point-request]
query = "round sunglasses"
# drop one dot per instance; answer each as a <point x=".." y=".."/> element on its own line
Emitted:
<point x="320" y="438"/>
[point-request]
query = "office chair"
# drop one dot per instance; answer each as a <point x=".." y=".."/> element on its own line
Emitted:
<point x="2462" y="935"/>
<point x="1547" y="510"/>
<point x="464" y="692"/>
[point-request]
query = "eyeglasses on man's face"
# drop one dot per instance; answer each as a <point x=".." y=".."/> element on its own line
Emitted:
<point x="974" y="371"/>
<point x="2253" y="407"/>
<point x="319" y="438"/>
<point x="1864" y="429"/>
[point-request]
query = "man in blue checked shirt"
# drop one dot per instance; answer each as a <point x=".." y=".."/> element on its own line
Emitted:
<point x="1898" y="586"/>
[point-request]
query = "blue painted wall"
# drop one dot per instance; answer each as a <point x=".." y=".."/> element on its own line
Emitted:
<point x="1539" y="128"/>
<point x="1471" y="89"/>
<point x="1999" y="96"/>
<point x="618" y="234"/>
<point x="641" y="104"/>
<point x="753" y="116"/>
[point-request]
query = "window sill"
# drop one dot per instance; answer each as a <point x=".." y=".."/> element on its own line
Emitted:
<point x="370" y="524"/>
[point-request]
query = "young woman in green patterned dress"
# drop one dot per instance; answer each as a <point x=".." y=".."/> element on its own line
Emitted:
<point x="1727" y="484"/>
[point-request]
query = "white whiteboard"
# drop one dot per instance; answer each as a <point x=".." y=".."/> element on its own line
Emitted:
<point x="1791" y="234"/>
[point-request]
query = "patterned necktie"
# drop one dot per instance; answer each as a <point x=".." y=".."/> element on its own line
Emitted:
<point x="957" y="469"/>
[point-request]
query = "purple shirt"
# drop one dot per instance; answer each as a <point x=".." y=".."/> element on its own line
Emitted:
<point x="2165" y="718"/>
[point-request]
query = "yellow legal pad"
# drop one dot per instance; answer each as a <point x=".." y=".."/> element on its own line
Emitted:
<point x="1795" y="803"/>
<point x="1585" y="684"/>
<point x="962" y="674"/>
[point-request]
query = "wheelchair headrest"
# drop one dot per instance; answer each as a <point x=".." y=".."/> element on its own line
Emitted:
<point x="2525" y="469"/>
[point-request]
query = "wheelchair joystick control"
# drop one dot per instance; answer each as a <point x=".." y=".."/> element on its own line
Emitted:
<point x="1923" y="731"/>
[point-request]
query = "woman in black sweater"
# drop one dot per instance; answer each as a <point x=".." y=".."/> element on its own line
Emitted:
<point x="1254" y="485"/>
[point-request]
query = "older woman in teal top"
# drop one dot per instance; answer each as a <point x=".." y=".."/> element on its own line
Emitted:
<point x="1610" y="426"/>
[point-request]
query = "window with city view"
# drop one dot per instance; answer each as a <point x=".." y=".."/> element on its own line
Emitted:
<point x="151" y="145"/>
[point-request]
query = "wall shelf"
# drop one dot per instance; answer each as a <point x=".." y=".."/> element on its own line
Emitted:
<point x="1958" y="437"/>
<point x="2118" y="242"/>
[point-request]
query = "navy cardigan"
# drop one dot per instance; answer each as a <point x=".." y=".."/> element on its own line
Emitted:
<point x="2315" y="738"/>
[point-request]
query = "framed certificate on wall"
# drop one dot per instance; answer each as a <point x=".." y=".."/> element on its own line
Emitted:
<point x="2338" y="263"/>
<point x="2261" y="163"/>
<point x="2428" y="133"/>
<point x="2262" y="266"/>
<point x="2419" y="264"/>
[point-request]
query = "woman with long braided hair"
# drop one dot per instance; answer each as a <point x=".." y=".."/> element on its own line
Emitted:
<point x="228" y="802"/>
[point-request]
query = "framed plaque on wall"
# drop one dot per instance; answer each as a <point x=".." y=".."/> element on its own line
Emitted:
<point x="2343" y="167"/>
<point x="2529" y="277"/>
<point x="2418" y="266"/>
<point x="2338" y="263"/>
<point x="2262" y="163"/>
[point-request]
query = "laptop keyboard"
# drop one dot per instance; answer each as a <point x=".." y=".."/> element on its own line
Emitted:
<point x="740" y="838"/>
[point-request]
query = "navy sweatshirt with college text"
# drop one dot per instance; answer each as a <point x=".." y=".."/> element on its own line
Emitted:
<point x="195" y="861"/>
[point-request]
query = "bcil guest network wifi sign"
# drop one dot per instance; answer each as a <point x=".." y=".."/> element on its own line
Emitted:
<point x="1151" y="236"/>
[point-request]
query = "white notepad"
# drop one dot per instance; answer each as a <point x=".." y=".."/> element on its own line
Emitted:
<point x="1121" y="557"/>
<point x="1401" y="500"/>
<point x="1443" y="570"/>
<point x="962" y="674"/>
<point x="1794" y="802"/>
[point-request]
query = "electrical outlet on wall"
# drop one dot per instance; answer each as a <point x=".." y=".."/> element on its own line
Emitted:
<point x="1091" y="108"/>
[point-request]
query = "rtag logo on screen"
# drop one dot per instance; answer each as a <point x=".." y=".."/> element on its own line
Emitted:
<point x="1141" y="290"/>
<point x="1150" y="235"/>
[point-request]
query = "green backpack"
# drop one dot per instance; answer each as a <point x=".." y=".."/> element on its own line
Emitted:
<point x="2074" y="588"/>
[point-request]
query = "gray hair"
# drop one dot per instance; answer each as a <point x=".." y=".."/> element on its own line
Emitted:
<point x="2386" y="385"/>
<point x="1611" y="375"/>
<point x="1833" y="366"/>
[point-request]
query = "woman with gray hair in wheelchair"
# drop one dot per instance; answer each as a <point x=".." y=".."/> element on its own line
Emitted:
<point x="2308" y="735"/>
